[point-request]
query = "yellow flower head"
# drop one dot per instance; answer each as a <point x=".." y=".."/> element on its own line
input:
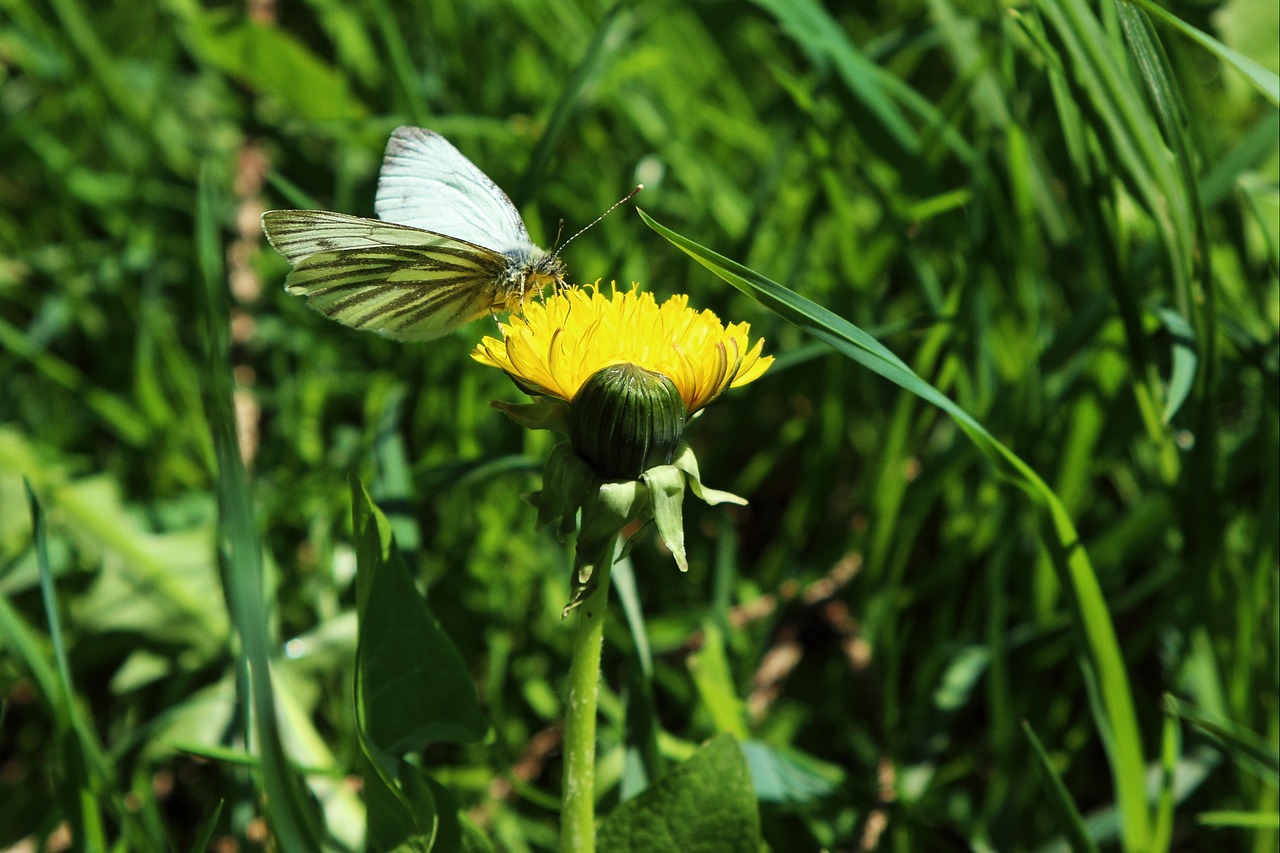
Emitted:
<point x="559" y="342"/>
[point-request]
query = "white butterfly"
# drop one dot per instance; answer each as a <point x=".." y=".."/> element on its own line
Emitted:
<point x="447" y="248"/>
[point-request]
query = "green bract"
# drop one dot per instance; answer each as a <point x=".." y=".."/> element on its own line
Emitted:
<point x="571" y="485"/>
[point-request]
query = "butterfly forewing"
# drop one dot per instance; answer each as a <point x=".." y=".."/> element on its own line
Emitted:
<point x="401" y="281"/>
<point x="427" y="183"/>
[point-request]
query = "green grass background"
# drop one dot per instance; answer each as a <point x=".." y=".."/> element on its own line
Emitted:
<point x="1081" y="255"/>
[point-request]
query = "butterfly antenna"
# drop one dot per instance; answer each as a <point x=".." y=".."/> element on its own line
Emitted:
<point x="593" y="222"/>
<point x="559" y="234"/>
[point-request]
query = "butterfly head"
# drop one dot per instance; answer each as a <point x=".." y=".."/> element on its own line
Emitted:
<point x="529" y="271"/>
<point x="549" y="269"/>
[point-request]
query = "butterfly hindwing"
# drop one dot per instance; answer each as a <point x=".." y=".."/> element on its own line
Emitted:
<point x="401" y="281"/>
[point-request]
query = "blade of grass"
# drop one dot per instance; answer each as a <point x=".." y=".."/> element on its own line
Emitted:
<point x="1068" y="813"/>
<point x="294" y="823"/>
<point x="76" y="752"/>
<point x="205" y="834"/>
<point x="403" y="72"/>
<point x="604" y="45"/>
<point x="1094" y="186"/>
<point x="1166" y="101"/>
<point x="1100" y="658"/>
<point x="1265" y="81"/>
<point x="1245" y="748"/>
<point x="1250" y="150"/>
<point x="825" y="41"/>
<point x="1240" y="820"/>
<point x="642" y="764"/>
<point x="1170" y="755"/>
<point x="107" y="73"/>
<point x="116" y="413"/>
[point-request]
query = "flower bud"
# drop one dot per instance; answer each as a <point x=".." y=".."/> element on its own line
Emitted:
<point x="625" y="420"/>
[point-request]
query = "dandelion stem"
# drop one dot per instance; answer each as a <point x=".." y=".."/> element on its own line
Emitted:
<point x="577" y="816"/>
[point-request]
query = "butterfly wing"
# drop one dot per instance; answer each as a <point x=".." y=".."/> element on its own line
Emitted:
<point x="403" y="282"/>
<point x="426" y="183"/>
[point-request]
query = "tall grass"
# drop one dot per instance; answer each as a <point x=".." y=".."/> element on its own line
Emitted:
<point x="1062" y="216"/>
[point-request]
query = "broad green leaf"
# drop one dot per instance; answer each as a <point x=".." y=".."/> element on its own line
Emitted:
<point x="392" y="821"/>
<point x="422" y="787"/>
<point x="706" y="805"/>
<point x="1100" y="657"/>
<point x="414" y="686"/>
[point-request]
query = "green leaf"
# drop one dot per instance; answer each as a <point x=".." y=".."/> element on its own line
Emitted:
<point x="826" y="42"/>
<point x="392" y="821"/>
<point x="1265" y="81"/>
<point x="420" y="786"/>
<point x="1182" y="374"/>
<point x="706" y="805"/>
<point x="611" y="506"/>
<point x="714" y="681"/>
<point x="567" y="483"/>
<point x="1060" y="797"/>
<point x="76" y="756"/>
<point x="1240" y="820"/>
<point x="1099" y="655"/>
<point x="1249" y="751"/>
<point x="414" y="687"/>
<point x="1166" y="101"/>
<point x="294" y="819"/>
<point x="204" y="834"/>
<point x="1120" y="126"/>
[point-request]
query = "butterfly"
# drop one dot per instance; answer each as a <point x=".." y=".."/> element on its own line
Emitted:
<point x="448" y="246"/>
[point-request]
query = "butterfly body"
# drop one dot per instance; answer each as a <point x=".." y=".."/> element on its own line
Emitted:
<point x="448" y="247"/>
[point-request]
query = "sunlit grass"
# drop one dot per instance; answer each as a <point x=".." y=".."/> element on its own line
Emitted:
<point x="1081" y="255"/>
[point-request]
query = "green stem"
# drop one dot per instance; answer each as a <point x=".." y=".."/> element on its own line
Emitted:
<point x="577" y="816"/>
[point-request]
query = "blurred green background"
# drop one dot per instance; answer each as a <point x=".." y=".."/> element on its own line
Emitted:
<point x="1085" y="260"/>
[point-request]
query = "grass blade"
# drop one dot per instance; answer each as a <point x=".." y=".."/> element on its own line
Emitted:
<point x="604" y="45"/>
<point x="293" y="822"/>
<point x="825" y="41"/>
<point x="1246" y="749"/>
<point x="1265" y="81"/>
<point x="1072" y="820"/>
<point x="1100" y="657"/>
<point x="76" y="750"/>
